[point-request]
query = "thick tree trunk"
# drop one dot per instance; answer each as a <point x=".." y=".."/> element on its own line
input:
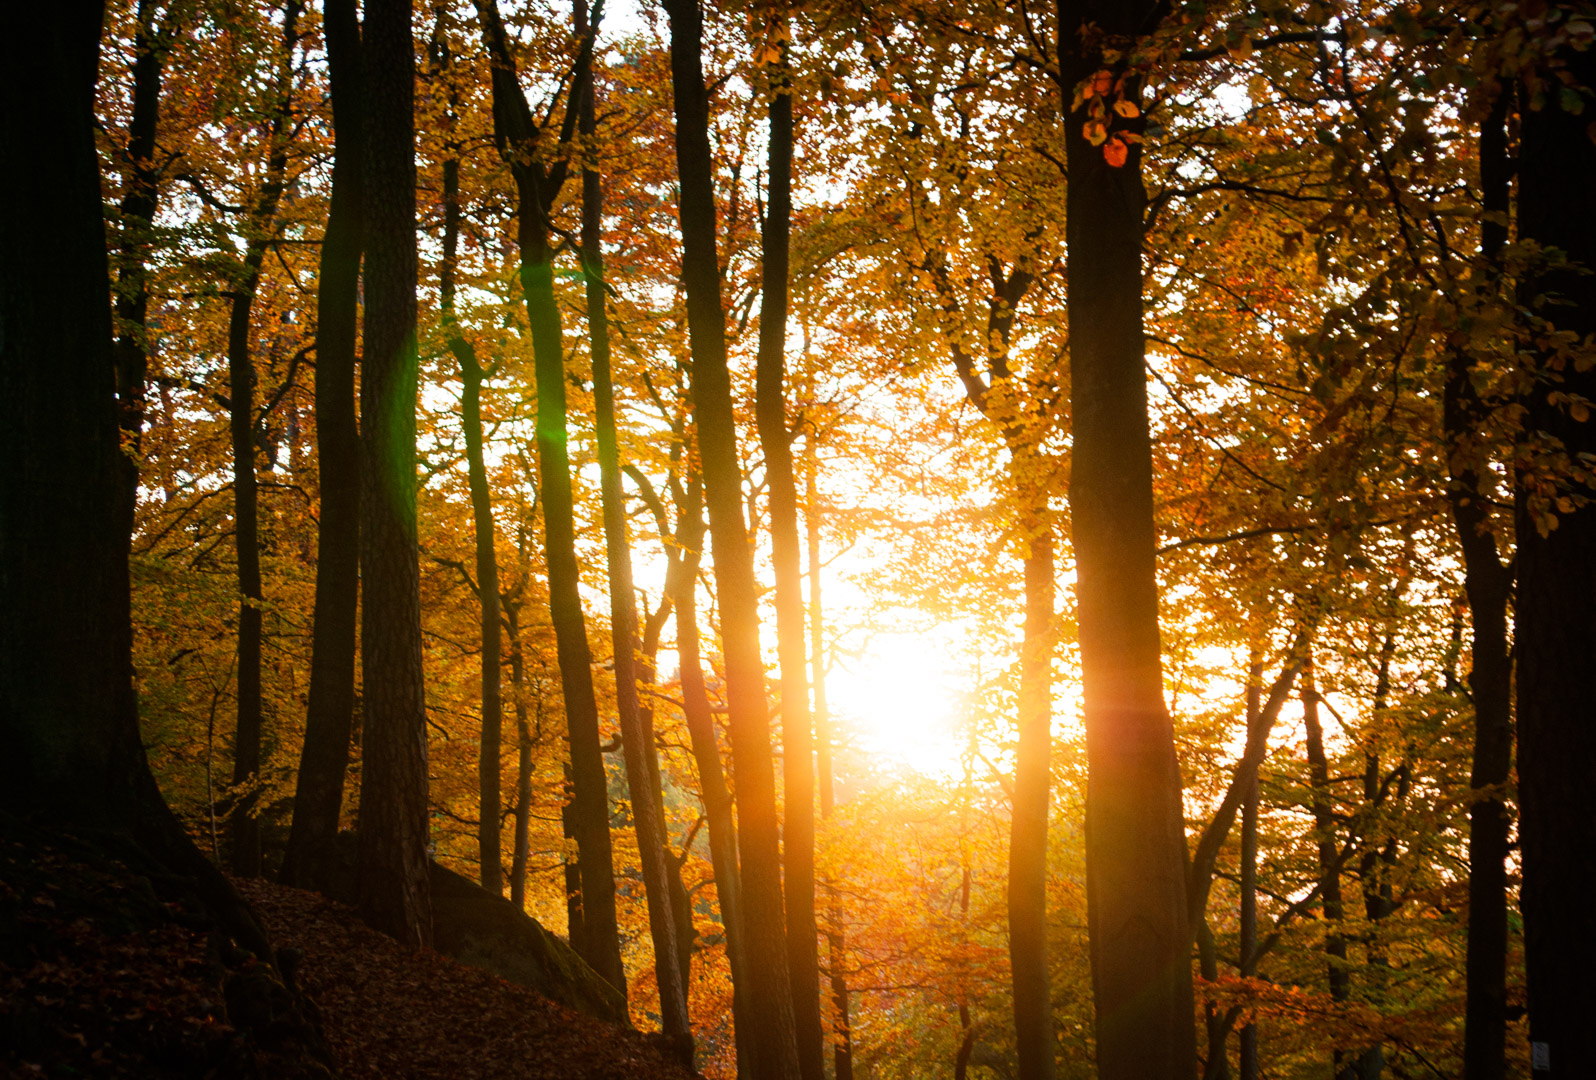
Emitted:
<point x="770" y="1013"/>
<point x="329" y="715"/>
<point x="243" y="822"/>
<point x="836" y="941"/>
<point x="797" y="762"/>
<point x="637" y="728"/>
<point x="393" y="892"/>
<point x="1487" y="584"/>
<point x="1135" y="841"/>
<point x="1555" y="607"/>
<point x="68" y="714"/>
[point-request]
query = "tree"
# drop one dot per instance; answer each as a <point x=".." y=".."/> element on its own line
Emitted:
<point x="773" y="1038"/>
<point x="329" y="715"/>
<point x="394" y="840"/>
<point x="538" y="181"/>
<point x="775" y="439"/>
<point x="1135" y="841"/>
<point x="1554" y="620"/>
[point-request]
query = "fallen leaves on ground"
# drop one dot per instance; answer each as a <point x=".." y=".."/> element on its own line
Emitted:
<point x="390" y="1012"/>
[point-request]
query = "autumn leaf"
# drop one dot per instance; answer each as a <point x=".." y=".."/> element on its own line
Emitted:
<point x="1126" y="108"/>
<point x="1095" y="132"/>
<point x="1115" y="152"/>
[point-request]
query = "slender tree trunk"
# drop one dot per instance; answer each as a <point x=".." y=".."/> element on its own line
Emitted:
<point x="1247" y="945"/>
<point x="1555" y="626"/>
<point x="711" y="778"/>
<point x="770" y="1013"/>
<point x="394" y="839"/>
<point x="1374" y="866"/>
<point x="243" y="822"/>
<point x="961" y="1057"/>
<point x="329" y="715"/>
<point x="536" y="188"/>
<point x="1216" y="1066"/>
<point x="1324" y="827"/>
<point x="1135" y="842"/>
<point x="1487" y="584"/>
<point x="637" y="729"/>
<point x="798" y="779"/>
<point x="520" y="853"/>
<point x="1027" y="894"/>
<point x="836" y="942"/>
<point x="139" y="203"/>
<point x="472" y="376"/>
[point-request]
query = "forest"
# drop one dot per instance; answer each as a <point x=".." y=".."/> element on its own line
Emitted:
<point x="981" y="539"/>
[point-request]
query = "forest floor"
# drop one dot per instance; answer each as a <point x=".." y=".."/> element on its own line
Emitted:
<point x="389" y="1012"/>
<point x="109" y="970"/>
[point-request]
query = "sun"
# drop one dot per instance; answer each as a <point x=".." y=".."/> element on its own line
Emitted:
<point x="899" y="696"/>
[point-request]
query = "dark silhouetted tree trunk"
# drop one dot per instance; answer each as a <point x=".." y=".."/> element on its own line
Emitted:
<point x="1324" y="828"/>
<point x="770" y="1028"/>
<point x="329" y="715"/>
<point x="393" y="892"/>
<point x="1247" y="944"/>
<point x="472" y="375"/>
<point x="1555" y="606"/>
<point x="1487" y="584"/>
<point x="243" y="823"/>
<point x="139" y="202"/>
<point x="1135" y="841"/>
<point x="537" y="183"/>
<point x="797" y="761"/>
<point x="637" y="728"/>
<point x="68" y="714"/>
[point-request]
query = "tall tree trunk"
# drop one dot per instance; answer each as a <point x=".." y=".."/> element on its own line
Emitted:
<point x="1487" y="584"/>
<point x="770" y="1013"/>
<point x="329" y="714"/>
<point x="139" y="202"/>
<point x="472" y="376"/>
<point x="836" y="941"/>
<point x="243" y="822"/>
<point x="1324" y="827"/>
<point x="770" y="409"/>
<point x="521" y="849"/>
<point x="1135" y="842"/>
<point x="68" y="713"/>
<point x="637" y="728"/>
<point x="1247" y="945"/>
<point x="393" y="892"/>
<point x="711" y="778"/>
<point x="536" y="188"/>
<point x="1027" y="892"/>
<point x="1375" y="863"/>
<point x="1555" y="606"/>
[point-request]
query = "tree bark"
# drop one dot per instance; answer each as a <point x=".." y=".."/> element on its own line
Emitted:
<point x="836" y="941"/>
<point x="1555" y="605"/>
<point x="329" y="715"/>
<point x="1487" y="585"/>
<point x="637" y="728"/>
<point x="1324" y="827"/>
<point x="770" y="410"/>
<point x="1135" y="842"/>
<point x="243" y="822"/>
<point x="770" y="1012"/>
<point x="472" y="375"/>
<point x="139" y="202"/>
<point x="537" y="185"/>
<point x="394" y="841"/>
<point x="1247" y="944"/>
<point x="706" y="754"/>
